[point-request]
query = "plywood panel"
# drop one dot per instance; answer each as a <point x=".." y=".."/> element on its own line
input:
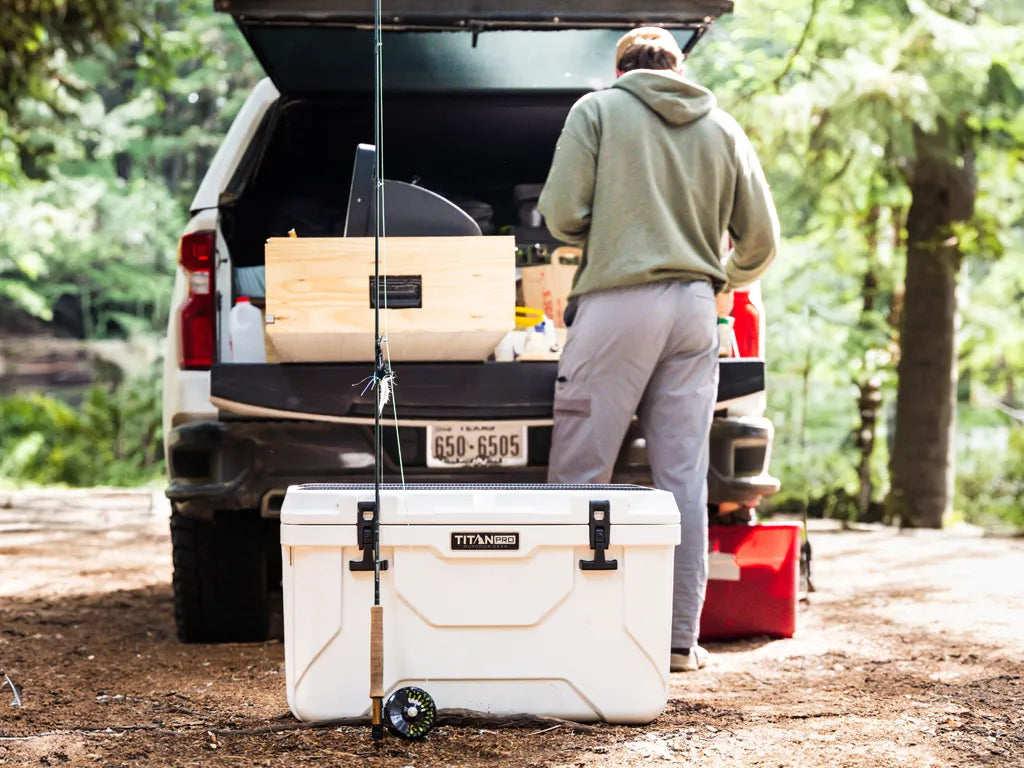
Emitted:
<point x="318" y="294"/>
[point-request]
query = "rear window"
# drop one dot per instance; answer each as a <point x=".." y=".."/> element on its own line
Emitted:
<point x="321" y="59"/>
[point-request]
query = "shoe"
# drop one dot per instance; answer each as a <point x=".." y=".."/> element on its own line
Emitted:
<point x="688" y="659"/>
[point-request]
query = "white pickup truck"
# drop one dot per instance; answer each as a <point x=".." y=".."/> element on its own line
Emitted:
<point x="475" y="94"/>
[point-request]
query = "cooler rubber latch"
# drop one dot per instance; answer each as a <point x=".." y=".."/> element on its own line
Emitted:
<point x="367" y="516"/>
<point x="600" y="537"/>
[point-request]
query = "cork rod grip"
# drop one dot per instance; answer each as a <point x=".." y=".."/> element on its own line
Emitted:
<point x="376" y="651"/>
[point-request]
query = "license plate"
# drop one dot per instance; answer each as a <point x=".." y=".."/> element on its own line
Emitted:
<point x="476" y="444"/>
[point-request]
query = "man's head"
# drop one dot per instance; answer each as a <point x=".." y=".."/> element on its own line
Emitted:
<point x="648" y="48"/>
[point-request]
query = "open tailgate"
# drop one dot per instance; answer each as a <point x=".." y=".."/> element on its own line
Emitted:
<point x="426" y="391"/>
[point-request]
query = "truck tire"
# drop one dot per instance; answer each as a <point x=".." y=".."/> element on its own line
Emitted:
<point x="222" y="590"/>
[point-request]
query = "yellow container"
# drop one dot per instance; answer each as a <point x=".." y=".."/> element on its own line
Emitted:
<point x="527" y="317"/>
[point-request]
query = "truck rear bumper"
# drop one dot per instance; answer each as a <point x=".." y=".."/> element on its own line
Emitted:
<point x="740" y="454"/>
<point x="245" y="464"/>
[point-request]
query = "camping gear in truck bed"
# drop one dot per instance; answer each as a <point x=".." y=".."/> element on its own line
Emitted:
<point x="543" y="599"/>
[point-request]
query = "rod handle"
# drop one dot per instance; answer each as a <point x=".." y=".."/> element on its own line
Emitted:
<point x="376" y="651"/>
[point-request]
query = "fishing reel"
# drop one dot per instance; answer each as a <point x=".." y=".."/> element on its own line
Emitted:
<point x="409" y="713"/>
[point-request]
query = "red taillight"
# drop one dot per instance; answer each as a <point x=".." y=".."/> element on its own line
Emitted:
<point x="199" y="312"/>
<point x="746" y="325"/>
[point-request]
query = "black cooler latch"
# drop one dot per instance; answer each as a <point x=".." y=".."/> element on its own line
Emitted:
<point x="367" y="516"/>
<point x="600" y="537"/>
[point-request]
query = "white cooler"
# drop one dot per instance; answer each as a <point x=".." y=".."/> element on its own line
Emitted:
<point x="541" y="599"/>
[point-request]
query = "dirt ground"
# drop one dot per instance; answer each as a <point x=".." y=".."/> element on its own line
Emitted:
<point x="908" y="654"/>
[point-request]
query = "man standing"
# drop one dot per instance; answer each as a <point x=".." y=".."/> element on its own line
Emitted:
<point x="648" y="176"/>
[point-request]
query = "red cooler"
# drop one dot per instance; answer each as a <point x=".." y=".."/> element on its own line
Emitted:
<point x="753" y="578"/>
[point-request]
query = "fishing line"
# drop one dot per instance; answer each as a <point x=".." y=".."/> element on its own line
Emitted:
<point x="387" y="325"/>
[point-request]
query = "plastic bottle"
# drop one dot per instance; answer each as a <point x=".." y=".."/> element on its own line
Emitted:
<point x="726" y="338"/>
<point x="550" y="335"/>
<point x="505" y="351"/>
<point x="245" y="333"/>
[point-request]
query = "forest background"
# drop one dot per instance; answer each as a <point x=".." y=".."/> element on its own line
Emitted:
<point x="892" y="132"/>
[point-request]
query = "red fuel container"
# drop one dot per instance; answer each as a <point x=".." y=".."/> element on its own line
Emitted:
<point x="753" y="578"/>
<point x="746" y="325"/>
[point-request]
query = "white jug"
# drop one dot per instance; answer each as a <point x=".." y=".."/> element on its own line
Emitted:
<point x="245" y="333"/>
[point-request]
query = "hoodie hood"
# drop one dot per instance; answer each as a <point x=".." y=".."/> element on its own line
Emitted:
<point x="677" y="100"/>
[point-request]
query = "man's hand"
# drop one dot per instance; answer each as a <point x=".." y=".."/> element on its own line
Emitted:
<point x="724" y="302"/>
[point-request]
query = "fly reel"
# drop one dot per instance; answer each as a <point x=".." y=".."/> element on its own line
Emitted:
<point x="409" y="713"/>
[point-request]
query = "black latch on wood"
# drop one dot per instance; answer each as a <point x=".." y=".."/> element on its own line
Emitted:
<point x="600" y="538"/>
<point x="364" y="537"/>
<point x="397" y="292"/>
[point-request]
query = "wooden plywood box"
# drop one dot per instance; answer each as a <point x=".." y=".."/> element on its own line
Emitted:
<point x="448" y="298"/>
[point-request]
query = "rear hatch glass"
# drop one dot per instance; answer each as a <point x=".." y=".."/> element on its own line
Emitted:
<point x="316" y="47"/>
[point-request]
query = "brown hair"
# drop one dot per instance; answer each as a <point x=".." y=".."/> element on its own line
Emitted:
<point x="644" y="55"/>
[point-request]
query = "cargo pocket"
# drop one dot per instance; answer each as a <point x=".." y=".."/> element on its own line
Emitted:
<point x="572" y="398"/>
<point x="575" y="453"/>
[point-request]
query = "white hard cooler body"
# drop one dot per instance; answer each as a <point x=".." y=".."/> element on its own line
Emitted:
<point x="515" y="629"/>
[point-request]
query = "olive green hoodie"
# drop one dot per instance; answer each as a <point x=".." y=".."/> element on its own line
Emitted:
<point x="648" y="176"/>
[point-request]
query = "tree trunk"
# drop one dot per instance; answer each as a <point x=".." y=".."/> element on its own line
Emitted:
<point x="868" y="401"/>
<point x="943" y="187"/>
<point x="869" y="395"/>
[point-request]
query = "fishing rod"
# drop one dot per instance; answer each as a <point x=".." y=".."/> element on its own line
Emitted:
<point x="380" y="374"/>
<point x="410" y="711"/>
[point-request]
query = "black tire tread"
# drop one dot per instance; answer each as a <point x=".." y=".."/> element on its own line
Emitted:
<point x="220" y="578"/>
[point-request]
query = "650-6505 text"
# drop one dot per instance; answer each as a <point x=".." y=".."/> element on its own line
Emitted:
<point x="482" y="447"/>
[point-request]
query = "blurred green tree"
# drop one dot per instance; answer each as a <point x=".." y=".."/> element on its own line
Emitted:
<point x="39" y="38"/>
<point x="112" y="115"/>
<point x="866" y="103"/>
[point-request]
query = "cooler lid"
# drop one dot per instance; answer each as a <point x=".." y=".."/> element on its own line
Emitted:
<point x="476" y="504"/>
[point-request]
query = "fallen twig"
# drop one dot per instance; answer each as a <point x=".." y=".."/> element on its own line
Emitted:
<point x="546" y="730"/>
<point x="8" y="683"/>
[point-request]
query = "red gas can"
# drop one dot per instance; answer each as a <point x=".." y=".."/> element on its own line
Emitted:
<point x="746" y="324"/>
<point x="753" y="578"/>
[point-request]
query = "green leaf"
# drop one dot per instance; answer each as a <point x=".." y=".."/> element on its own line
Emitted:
<point x="22" y="294"/>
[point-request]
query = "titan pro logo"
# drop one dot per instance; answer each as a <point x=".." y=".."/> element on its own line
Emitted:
<point x="464" y="541"/>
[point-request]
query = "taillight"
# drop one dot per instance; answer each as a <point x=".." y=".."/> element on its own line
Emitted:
<point x="199" y="312"/>
<point x="746" y="325"/>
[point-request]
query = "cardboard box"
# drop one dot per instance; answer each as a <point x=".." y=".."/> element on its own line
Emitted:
<point x="546" y="286"/>
<point x="448" y="298"/>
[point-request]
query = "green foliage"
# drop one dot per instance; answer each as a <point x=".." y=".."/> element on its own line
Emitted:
<point x="38" y="38"/>
<point x="990" y="484"/>
<point x="175" y="70"/>
<point x="107" y="139"/>
<point x="835" y="94"/>
<point x="108" y="243"/>
<point x="112" y="438"/>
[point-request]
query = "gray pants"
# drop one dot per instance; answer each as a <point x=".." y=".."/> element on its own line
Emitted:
<point x="649" y="350"/>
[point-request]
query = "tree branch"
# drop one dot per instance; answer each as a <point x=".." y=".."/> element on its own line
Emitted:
<point x="799" y="46"/>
